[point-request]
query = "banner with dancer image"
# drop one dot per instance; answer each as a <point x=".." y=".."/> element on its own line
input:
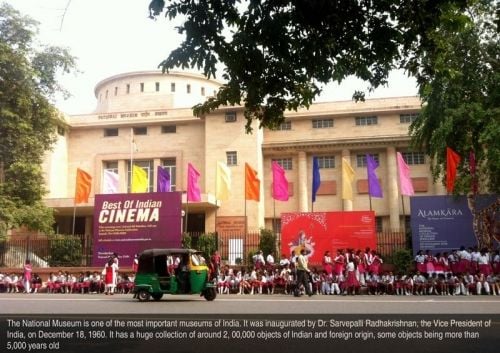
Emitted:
<point x="317" y="232"/>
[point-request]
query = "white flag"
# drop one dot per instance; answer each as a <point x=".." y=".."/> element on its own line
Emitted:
<point x="110" y="182"/>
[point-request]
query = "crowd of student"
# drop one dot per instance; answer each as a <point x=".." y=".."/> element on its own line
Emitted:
<point x="109" y="281"/>
<point x="463" y="272"/>
<point x="65" y="282"/>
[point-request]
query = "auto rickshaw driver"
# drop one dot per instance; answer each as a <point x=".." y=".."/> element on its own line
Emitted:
<point x="182" y="273"/>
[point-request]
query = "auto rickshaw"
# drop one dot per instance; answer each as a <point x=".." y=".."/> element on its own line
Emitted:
<point x="172" y="271"/>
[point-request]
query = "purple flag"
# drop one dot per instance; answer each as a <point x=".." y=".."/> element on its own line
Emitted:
<point x="163" y="181"/>
<point x="374" y="188"/>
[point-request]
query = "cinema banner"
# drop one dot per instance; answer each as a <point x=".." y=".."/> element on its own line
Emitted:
<point x="444" y="223"/>
<point x="317" y="232"/>
<point x="126" y="224"/>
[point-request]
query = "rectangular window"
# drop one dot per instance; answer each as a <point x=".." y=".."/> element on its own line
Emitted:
<point x="287" y="125"/>
<point x="116" y="91"/>
<point x="142" y="86"/>
<point x="202" y="91"/>
<point x="188" y="88"/>
<point x="110" y="132"/>
<point x="147" y="166"/>
<point x="285" y="163"/>
<point x="408" y="118"/>
<point x="379" y="224"/>
<point x="142" y="130"/>
<point x="230" y="117"/>
<point x="366" y="120"/>
<point x="169" y="165"/>
<point x="231" y="158"/>
<point x="168" y="129"/>
<point x="111" y="166"/>
<point x="326" y="162"/>
<point x="128" y="88"/>
<point x="61" y="131"/>
<point x="322" y="123"/>
<point x="361" y="159"/>
<point x="172" y="87"/>
<point x="157" y="86"/>
<point x="413" y="158"/>
<point x="106" y="96"/>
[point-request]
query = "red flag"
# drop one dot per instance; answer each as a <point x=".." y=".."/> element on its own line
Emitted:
<point x="83" y="186"/>
<point x="452" y="162"/>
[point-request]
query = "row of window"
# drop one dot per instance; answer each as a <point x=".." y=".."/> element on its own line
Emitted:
<point x="328" y="162"/>
<point x="231" y="117"/>
<point x="141" y="130"/>
<point x="359" y="121"/>
<point x="157" y="89"/>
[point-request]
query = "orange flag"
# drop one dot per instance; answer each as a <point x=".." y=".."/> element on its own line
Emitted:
<point x="83" y="186"/>
<point x="452" y="162"/>
<point x="252" y="184"/>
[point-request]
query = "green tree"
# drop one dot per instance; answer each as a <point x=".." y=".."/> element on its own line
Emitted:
<point x="28" y="119"/>
<point x="459" y="86"/>
<point x="277" y="53"/>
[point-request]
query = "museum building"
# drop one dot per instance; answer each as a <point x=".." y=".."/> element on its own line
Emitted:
<point x="146" y="118"/>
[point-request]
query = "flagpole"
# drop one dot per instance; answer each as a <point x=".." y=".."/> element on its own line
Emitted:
<point x="369" y="187"/>
<point x="404" y="215"/>
<point x="245" y="208"/>
<point x="74" y="215"/>
<point x="187" y="212"/>
<point x="216" y="200"/>
<point x="274" y="215"/>
<point x="131" y="156"/>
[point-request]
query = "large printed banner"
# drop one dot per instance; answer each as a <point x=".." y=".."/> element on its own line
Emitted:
<point x="445" y="223"/>
<point x="318" y="232"/>
<point x="126" y="224"/>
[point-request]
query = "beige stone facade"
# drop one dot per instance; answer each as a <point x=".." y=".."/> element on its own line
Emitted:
<point x="157" y="107"/>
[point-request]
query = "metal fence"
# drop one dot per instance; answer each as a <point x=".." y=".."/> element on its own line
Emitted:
<point x="77" y="250"/>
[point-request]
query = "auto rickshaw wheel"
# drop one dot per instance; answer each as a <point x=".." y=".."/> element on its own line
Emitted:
<point x="143" y="296"/>
<point x="210" y="294"/>
<point x="157" y="296"/>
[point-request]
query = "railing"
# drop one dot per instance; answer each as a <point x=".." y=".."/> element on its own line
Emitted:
<point x="234" y="248"/>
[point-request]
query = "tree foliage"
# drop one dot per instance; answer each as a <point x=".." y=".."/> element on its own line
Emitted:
<point x="459" y="86"/>
<point x="28" y="119"/>
<point x="277" y="53"/>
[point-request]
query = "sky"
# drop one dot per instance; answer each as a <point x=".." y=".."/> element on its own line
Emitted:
<point x="110" y="37"/>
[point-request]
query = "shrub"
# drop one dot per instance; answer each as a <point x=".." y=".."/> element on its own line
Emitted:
<point x="402" y="260"/>
<point x="65" y="250"/>
<point x="267" y="242"/>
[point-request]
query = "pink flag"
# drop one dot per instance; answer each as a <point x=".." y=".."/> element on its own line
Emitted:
<point x="280" y="184"/>
<point x="405" y="185"/>
<point x="193" y="190"/>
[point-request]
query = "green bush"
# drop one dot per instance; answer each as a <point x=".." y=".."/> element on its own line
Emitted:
<point x="65" y="250"/>
<point x="267" y="242"/>
<point x="186" y="241"/>
<point x="207" y="244"/>
<point x="403" y="261"/>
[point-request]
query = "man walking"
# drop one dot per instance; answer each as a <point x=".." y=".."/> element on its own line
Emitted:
<point x="303" y="272"/>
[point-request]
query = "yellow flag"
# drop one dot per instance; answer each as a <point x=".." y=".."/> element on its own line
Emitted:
<point x="347" y="179"/>
<point x="223" y="182"/>
<point x="140" y="180"/>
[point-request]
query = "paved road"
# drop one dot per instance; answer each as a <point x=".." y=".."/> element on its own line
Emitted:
<point x="246" y="304"/>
